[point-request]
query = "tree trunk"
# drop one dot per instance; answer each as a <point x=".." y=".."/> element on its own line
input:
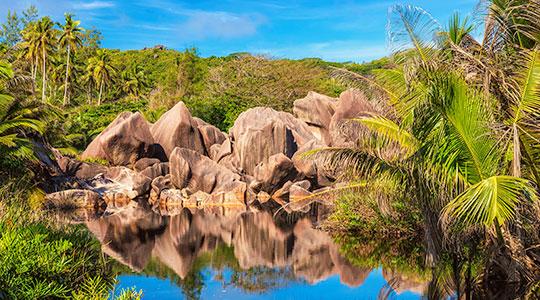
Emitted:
<point x="33" y="65"/>
<point x="100" y="91"/>
<point x="44" y="79"/>
<point x="89" y="94"/>
<point x="66" y="82"/>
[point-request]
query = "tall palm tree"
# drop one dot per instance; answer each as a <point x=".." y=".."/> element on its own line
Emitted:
<point x="102" y="70"/>
<point x="46" y="35"/>
<point x="71" y="39"/>
<point x="87" y="79"/>
<point x="30" y="50"/>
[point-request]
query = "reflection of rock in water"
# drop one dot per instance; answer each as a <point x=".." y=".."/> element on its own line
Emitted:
<point x="129" y="235"/>
<point x="134" y="236"/>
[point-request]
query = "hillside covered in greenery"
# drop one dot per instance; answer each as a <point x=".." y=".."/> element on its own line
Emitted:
<point x="63" y="66"/>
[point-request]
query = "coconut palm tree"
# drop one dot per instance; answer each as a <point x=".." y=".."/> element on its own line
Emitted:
<point x="87" y="80"/>
<point x="30" y="50"/>
<point x="134" y="81"/>
<point x="71" y="39"/>
<point x="16" y="118"/>
<point x="46" y="38"/>
<point x="462" y="138"/>
<point x="102" y="70"/>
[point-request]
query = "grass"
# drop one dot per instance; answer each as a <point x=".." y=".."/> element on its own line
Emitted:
<point x="43" y="260"/>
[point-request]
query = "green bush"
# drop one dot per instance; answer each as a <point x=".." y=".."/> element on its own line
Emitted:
<point x="37" y="262"/>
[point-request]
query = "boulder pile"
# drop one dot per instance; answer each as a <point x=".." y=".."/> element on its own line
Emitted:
<point x="182" y="160"/>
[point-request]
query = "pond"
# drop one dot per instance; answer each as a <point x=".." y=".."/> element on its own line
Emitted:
<point x="228" y="253"/>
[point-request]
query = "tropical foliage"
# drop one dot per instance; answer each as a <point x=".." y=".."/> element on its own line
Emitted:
<point x="460" y="135"/>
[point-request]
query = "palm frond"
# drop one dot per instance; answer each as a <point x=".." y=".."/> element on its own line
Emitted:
<point x="392" y="132"/>
<point x="412" y="27"/>
<point x="494" y="199"/>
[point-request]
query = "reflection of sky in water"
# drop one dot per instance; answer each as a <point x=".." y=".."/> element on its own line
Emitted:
<point x="330" y="288"/>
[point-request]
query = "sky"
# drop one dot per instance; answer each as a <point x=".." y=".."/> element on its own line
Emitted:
<point x="332" y="30"/>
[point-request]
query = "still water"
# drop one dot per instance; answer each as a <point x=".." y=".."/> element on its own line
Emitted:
<point x="236" y="254"/>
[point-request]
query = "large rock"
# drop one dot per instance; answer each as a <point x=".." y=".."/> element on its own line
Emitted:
<point x="191" y="170"/>
<point x="130" y="179"/>
<point x="177" y="128"/>
<point x="307" y="165"/>
<point x="211" y="135"/>
<point x="78" y="169"/>
<point x="154" y="171"/>
<point x="262" y="132"/>
<point x="118" y="184"/>
<point x="316" y="110"/>
<point x="123" y="142"/>
<point x="144" y="163"/>
<point x="352" y="104"/>
<point x="274" y="172"/>
<point x="159" y="184"/>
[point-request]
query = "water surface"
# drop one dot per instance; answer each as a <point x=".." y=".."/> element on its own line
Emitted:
<point x="221" y="253"/>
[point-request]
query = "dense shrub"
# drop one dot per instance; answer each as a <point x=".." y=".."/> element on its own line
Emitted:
<point x="37" y="262"/>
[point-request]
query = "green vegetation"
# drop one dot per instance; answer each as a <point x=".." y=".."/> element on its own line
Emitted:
<point x="37" y="262"/>
<point x="460" y="138"/>
<point x="455" y="154"/>
<point x="41" y="260"/>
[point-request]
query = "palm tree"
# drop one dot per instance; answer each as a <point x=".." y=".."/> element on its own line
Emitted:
<point x="87" y="79"/>
<point x="463" y="138"/>
<point x="71" y="39"/>
<point x="102" y="70"/>
<point x="30" y="50"/>
<point x="134" y="81"/>
<point x="16" y="118"/>
<point x="46" y="37"/>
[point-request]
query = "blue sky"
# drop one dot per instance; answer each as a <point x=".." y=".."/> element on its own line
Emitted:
<point x="332" y="30"/>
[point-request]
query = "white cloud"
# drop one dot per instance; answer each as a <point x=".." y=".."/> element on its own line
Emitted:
<point x="93" y="5"/>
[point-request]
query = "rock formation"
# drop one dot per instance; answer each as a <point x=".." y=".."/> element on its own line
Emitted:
<point x="123" y="142"/>
<point x="176" y="128"/>
<point x="317" y="111"/>
<point x="183" y="161"/>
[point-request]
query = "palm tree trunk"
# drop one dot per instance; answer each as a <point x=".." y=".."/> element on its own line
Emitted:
<point x="100" y="91"/>
<point x="44" y="79"/>
<point x="34" y="79"/>
<point x="88" y="94"/>
<point x="66" y="82"/>
<point x="33" y="65"/>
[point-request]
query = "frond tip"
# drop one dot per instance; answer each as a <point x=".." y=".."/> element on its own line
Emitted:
<point x="493" y="199"/>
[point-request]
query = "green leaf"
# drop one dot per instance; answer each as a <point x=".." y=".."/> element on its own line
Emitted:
<point x="391" y="131"/>
<point x="494" y="198"/>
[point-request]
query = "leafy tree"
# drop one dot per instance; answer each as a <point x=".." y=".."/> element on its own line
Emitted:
<point x="11" y="29"/>
<point x="91" y="38"/>
<point x="463" y="112"/>
<point x="70" y="38"/>
<point x="30" y="15"/>
<point x="30" y="51"/>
